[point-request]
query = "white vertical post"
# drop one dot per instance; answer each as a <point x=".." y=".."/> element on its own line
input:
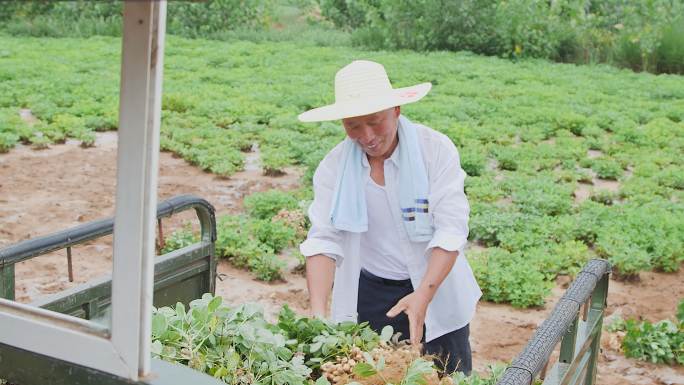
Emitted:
<point x="154" y="120"/>
<point x="136" y="187"/>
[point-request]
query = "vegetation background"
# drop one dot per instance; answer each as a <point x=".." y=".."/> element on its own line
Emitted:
<point x="644" y="35"/>
<point x="565" y="161"/>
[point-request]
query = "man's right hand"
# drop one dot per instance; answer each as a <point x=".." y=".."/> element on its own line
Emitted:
<point x="320" y="274"/>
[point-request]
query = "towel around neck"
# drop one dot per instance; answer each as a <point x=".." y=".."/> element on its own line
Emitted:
<point x="349" y="211"/>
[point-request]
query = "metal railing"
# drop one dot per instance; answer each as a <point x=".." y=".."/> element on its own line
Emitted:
<point x="65" y="239"/>
<point x="576" y="323"/>
<point x="181" y="275"/>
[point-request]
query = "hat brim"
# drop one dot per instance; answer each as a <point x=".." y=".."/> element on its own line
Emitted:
<point x="361" y="107"/>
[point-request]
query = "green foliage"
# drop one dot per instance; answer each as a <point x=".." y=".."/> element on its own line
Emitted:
<point x="274" y="234"/>
<point x="643" y="35"/>
<point x="509" y="277"/>
<point x="67" y="18"/>
<point x="12" y="127"/>
<point x="39" y="141"/>
<point x="563" y="258"/>
<point x="84" y="18"/>
<point x="487" y="223"/>
<point x="198" y="19"/>
<point x="274" y="161"/>
<point x="253" y="243"/>
<point x="660" y="342"/>
<point x="534" y="120"/>
<point x="507" y="158"/>
<point x="540" y="195"/>
<point x="671" y="176"/>
<point x="345" y="13"/>
<point x="468" y="25"/>
<point x="528" y="28"/>
<point x="631" y="33"/>
<point x="670" y="50"/>
<point x="483" y="189"/>
<point x="496" y="371"/>
<point x="473" y="162"/>
<point x="7" y="141"/>
<point x="637" y="237"/>
<point x="233" y="237"/>
<point x="605" y="197"/>
<point x="265" y="205"/>
<point x="236" y="345"/>
<point x="179" y="239"/>
<point x="607" y="168"/>
<point x="322" y="340"/>
<point x="266" y="267"/>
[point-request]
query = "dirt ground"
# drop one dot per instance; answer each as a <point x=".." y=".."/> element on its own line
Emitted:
<point x="42" y="191"/>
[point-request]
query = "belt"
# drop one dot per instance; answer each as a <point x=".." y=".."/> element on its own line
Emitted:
<point x="385" y="281"/>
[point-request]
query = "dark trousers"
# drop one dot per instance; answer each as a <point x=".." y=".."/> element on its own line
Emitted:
<point x="378" y="295"/>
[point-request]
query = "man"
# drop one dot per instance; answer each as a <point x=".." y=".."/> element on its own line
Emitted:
<point x="390" y="220"/>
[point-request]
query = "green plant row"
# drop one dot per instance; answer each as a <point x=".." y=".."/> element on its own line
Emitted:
<point x="564" y="162"/>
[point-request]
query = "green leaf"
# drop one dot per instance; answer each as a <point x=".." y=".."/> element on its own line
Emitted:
<point x="221" y="372"/>
<point x="180" y="310"/>
<point x="316" y="346"/>
<point x="363" y="369"/>
<point x="214" y="303"/>
<point x="159" y="324"/>
<point x="416" y="372"/>
<point x="386" y="333"/>
<point x="322" y="381"/>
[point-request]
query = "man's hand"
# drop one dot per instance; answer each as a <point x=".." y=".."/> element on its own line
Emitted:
<point x="415" y="306"/>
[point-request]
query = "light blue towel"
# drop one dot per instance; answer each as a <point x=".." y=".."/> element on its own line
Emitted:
<point x="349" y="211"/>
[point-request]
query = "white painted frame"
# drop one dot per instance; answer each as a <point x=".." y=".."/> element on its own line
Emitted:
<point x="123" y="349"/>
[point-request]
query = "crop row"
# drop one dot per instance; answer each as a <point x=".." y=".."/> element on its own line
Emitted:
<point x="565" y="162"/>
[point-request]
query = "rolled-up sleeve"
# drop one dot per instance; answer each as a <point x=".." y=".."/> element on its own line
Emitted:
<point x="323" y="238"/>
<point x="448" y="201"/>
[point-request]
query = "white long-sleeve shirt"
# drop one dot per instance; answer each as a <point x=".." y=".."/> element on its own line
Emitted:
<point x="453" y="305"/>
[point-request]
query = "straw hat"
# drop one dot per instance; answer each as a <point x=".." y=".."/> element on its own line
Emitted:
<point x="363" y="88"/>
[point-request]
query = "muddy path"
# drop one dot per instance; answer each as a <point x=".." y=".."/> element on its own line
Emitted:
<point x="42" y="191"/>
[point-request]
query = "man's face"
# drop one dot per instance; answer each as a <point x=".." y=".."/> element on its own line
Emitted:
<point x="375" y="133"/>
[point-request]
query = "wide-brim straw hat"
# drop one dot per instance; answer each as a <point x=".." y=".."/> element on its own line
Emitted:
<point x="363" y="88"/>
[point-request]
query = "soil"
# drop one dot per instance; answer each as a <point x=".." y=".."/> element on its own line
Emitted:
<point x="42" y="191"/>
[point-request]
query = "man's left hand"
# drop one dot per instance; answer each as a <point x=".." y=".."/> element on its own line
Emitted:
<point x="415" y="306"/>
